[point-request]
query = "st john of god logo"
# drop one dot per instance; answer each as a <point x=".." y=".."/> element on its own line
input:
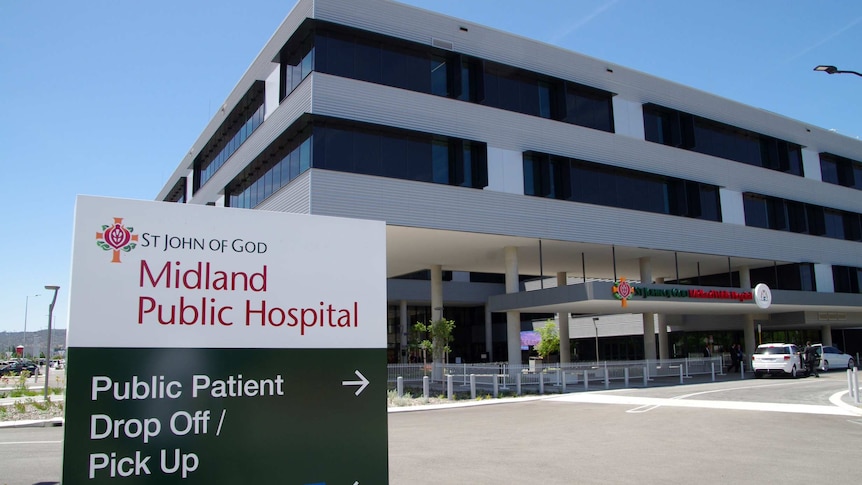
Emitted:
<point x="116" y="238"/>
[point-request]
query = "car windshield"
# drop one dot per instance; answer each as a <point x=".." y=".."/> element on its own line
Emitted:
<point x="772" y="350"/>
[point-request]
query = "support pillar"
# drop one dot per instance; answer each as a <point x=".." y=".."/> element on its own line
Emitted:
<point x="826" y="335"/>
<point x="563" y="318"/>
<point x="663" y="341"/>
<point x="513" y="318"/>
<point x="489" y="335"/>
<point x="744" y="278"/>
<point x="750" y="339"/>
<point x="437" y="314"/>
<point x="648" y="318"/>
<point x="649" y="336"/>
<point x="405" y="330"/>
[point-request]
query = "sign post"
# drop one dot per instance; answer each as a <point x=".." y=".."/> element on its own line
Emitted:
<point x="214" y="345"/>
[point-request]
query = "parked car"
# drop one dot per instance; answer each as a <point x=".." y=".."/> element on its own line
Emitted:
<point x="832" y="358"/>
<point x="19" y="366"/>
<point x="776" y="358"/>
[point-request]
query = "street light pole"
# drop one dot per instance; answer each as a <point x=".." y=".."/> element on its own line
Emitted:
<point x="26" y="302"/>
<point x="595" y="324"/>
<point x="53" y="288"/>
<point x="835" y="70"/>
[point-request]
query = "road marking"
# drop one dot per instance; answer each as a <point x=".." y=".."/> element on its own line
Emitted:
<point x="647" y="403"/>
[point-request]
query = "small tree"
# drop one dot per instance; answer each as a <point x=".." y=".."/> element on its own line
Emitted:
<point x="550" y="340"/>
<point x="435" y="337"/>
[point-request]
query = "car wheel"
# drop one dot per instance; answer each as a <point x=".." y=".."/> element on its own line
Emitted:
<point x="793" y="372"/>
<point x="825" y="366"/>
<point x="851" y="364"/>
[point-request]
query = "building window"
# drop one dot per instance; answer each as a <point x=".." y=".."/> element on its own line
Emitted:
<point x="347" y="146"/>
<point x="847" y="279"/>
<point x="841" y="171"/>
<point x="787" y="215"/>
<point x="564" y="178"/>
<point x="237" y="127"/>
<point x="682" y="130"/>
<point x="356" y="54"/>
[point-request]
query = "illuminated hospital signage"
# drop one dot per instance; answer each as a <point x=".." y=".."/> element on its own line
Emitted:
<point x="623" y="291"/>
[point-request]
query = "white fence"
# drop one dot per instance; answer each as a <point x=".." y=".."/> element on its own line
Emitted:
<point x="562" y="377"/>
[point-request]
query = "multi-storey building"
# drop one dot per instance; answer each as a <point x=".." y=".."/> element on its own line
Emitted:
<point x="520" y="182"/>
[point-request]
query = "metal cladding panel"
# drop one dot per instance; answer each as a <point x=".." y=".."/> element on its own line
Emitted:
<point x="373" y="103"/>
<point x="294" y="197"/>
<point x="433" y="206"/>
<point x="418" y="25"/>
<point x="288" y="111"/>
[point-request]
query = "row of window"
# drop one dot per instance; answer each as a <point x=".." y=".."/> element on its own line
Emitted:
<point x="847" y="279"/>
<point x="361" y="55"/>
<point x="787" y="215"/>
<point x="841" y="171"/>
<point x="239" y="125"/>
<point x="564" y="178"/>
<point x="793" y="276"/>
<point x="682" y="130"/>
<point x="359" y="148"/>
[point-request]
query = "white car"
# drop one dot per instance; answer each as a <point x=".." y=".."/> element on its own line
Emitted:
<point x="832" y="358"/>
<point x="776" y="359"/>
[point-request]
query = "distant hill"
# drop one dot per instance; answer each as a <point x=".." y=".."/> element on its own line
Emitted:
<point x="36" y="342"/>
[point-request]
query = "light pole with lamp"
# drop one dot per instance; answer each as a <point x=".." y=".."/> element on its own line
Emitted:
<point x="26" y="302"/>
<point x="53" y="288"/>
<point x="835" y="70"/>
<point x="596" y="325"/>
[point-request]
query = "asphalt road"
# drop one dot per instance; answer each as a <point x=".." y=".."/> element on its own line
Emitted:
<point x="751" y="431"/>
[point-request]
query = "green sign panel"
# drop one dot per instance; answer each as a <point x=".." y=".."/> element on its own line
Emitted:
<point x="209" y="416"/>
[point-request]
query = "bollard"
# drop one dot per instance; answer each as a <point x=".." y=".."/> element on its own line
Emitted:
<point x="426" y="391"/>
<point x="564" y="381"/>
<point x="449" y="391"/>
<point x="518" y="383"/>
<point x="680" y="375"/>
<point x="741" y="369"/>
<point x="472" y="386"/>
<point x="712" y="370"/>
<point x="586" y="380"/>
<point x="497" y="385"/>
<point x="646" y="376"/>
<point x="850" y="385"/>
<point x="541" y="383"/>
<point x="626" y="377"/>
<point x="856" y="385"/>
<point x="399" y="385"/>
<point x="607" y="377"/>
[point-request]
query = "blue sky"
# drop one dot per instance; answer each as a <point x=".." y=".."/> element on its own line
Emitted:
<point x="104" y="97"/>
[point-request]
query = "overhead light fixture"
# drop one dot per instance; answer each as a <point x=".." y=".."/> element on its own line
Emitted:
<point x="835" y="70"/>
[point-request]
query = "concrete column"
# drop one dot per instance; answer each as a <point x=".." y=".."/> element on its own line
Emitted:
<point x="437" y="314"/>
<point x="826" y="335"/>
<point x="663" y="341"/>
<point x="405" y="330"/>
<point x="436" y="292"/>
<point x="649" y="336"/>
<point x="645" y="270"/>
<point x="513" y="319"/>
<point x="745" y="278"/>
<point x="563" y="318"/>
<point x="750" y="339"/>
<point x="489" y="335"/>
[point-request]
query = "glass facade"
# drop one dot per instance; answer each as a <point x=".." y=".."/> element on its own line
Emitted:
<point x="794" y="276"/>
<point x="347" y="146"/>
<point x="787" y="215"/>
<point x="564" y="178"/>
<point x="361" y="55"/>
<point x="682" y="130"/>
<point x="239" y="125"/>
<point x="841" y="171"/>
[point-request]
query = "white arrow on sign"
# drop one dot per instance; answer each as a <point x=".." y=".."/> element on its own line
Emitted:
<point x="362" y="383"/>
